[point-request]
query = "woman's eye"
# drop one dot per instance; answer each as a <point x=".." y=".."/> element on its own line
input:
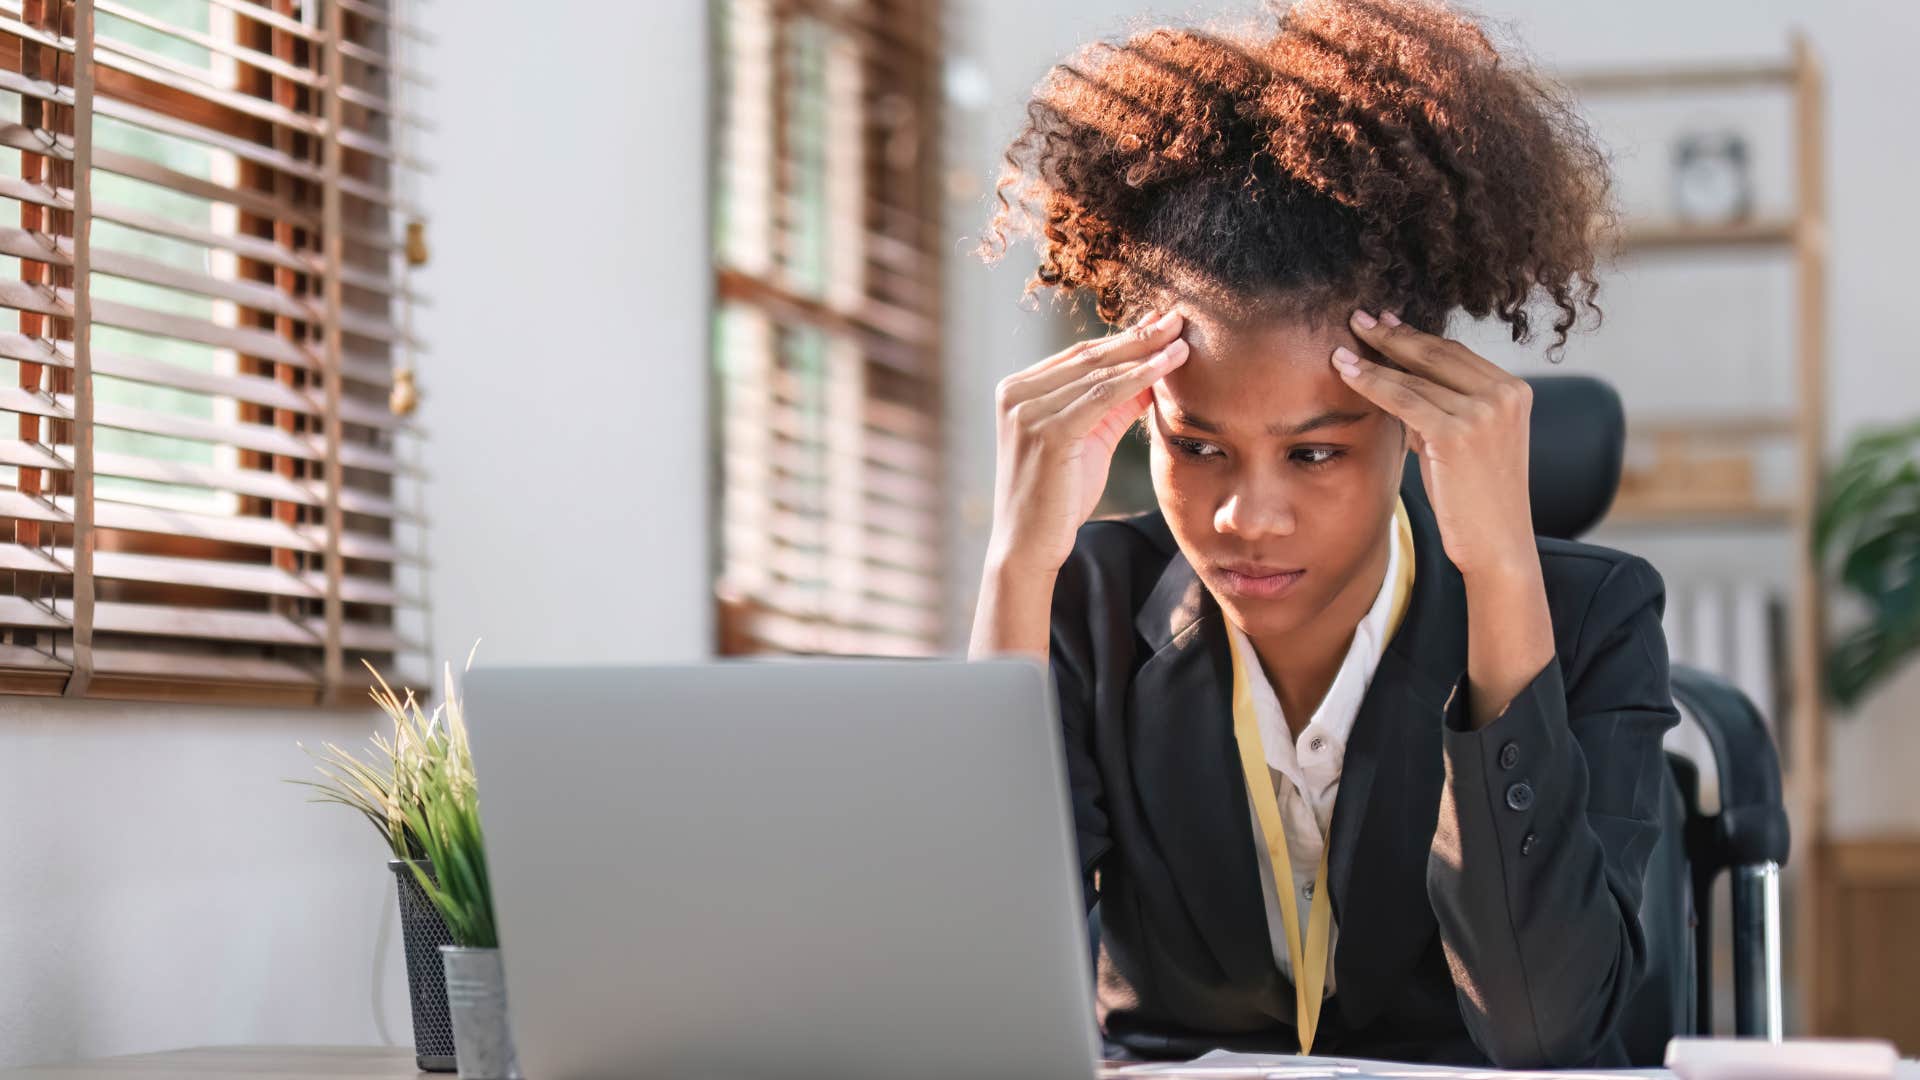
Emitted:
<point x="1316" y="456"/>
<point x="1192" y="448"/>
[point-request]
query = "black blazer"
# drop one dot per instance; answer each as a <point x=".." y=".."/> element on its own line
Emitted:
<point x="1486" y="884"/>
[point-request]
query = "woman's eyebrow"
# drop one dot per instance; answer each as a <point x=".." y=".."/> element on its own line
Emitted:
<point x="1330" y="418"/>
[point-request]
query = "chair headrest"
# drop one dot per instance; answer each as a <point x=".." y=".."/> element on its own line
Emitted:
<point x="1578" y="440"/>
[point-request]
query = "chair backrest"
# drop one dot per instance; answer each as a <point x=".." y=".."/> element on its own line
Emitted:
<point x="1578" y="443"/>
<point x="1576" y="448"/>
<point x="1574" y="472"/>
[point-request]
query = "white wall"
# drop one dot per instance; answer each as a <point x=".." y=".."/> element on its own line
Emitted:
<point x="1669" y="325"/>
<point x="568" y="375"/>
<point x="160" y="886"/>
<point x="163" y="887"/>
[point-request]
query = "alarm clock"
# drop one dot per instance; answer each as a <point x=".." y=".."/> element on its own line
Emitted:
<point x="1712" y="181"/>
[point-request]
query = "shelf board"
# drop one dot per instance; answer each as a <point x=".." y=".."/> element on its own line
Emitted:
<point x="1656" y="235"/>
<point x="1641" y="517"/>
<point x="1714" y="426"/>
<point x="1643" y="80"/>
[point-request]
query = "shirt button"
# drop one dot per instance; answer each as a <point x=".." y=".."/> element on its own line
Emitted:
<point x="1520" y="796"/>
<point x="1308" y="890"/>
<point x="1509" y="756"/>
<point x="1316" y="744"/>
<point x="1526" y="845"/>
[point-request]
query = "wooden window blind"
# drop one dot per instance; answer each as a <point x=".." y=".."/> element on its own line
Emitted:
<point x="827" y="328"/>
<point x="204" y="491"/>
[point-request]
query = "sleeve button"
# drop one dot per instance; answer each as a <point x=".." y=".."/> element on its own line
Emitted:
<point x="1520" y="796"/>
<point x="1509" y="755"/>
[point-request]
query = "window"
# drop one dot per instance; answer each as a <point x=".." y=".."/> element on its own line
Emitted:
<point x="826" y="337"/>
<point x="204" y="488"/>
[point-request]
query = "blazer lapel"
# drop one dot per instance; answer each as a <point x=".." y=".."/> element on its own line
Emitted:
<point x="1187" y="770"/>
<point x="1389" y="797"/>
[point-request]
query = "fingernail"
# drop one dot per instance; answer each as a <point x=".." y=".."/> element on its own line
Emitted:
<point x="1345" y="359"/>
<point x="1390" y="318"/>
<point x="1365" y="320"/>
<point x="1167" y="320"/>
<point x="1175" y="350"/>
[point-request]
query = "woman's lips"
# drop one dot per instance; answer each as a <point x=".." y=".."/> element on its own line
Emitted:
<point x="1259" y="583"/>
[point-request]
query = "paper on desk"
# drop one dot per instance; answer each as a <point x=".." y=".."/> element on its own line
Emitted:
<point x="1225" y="1065"/>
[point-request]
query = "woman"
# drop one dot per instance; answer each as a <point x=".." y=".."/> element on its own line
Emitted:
<point x="1365" y="775"/>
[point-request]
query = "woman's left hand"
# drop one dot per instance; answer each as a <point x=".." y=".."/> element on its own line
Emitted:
<point x="1467" y="419"/>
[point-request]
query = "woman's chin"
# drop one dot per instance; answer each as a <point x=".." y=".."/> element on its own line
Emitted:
<point x="1261" y="618"/>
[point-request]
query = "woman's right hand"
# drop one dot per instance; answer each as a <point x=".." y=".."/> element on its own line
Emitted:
<point x="1059" y="422"/>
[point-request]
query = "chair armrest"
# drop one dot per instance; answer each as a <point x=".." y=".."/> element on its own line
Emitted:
<point x="1752" y="827"/>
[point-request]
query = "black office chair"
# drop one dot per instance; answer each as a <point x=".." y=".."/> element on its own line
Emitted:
<point x="1578" y="443"/>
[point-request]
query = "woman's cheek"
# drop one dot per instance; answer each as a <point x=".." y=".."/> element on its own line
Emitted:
<point x="1178" y="490"/>
<point x="1160" y="467"/>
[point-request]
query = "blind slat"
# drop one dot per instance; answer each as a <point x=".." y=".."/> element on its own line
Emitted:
<point x="257" y="389"/>
<point x="170" y="78"/>
<point x="20" y="611"/>
<point x="367" y="637"/>
<point x="59" y="303"/>
<point x="163" y="620"/>
<point x="252" y="57"/>
<point x="213" y="558"/>
<point x="255" y="578"/>
<point x="58" y="250"/>
<point x="251" y="247"/>
<point x="258" y="483"/>
<point x="18" y="558"/>
<point x="244" y="199"/>
<point x="261" y="438"/>
<point x="269" y="17"/>
<point x="172" y="666"/>
<point x="25" y="507"/>
<point x="252" y="531"/>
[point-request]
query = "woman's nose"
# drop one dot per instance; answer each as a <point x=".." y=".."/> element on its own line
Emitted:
<point x="1255" y="516"/>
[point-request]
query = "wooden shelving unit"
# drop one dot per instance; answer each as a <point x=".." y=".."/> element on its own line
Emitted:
<point x="1801" y="237"/>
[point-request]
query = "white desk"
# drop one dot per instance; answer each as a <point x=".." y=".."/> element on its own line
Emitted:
<point x="396" y="1063"/>
<point x="237" y="1062"/>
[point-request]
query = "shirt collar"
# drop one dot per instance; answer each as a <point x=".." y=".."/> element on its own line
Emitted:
<point x="1333" y="719"/>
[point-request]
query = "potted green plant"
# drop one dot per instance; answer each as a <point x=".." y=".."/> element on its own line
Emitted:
<point x="445" y="819"/>
<point x="1867" y="536"/>
<point x="381" y="785"/>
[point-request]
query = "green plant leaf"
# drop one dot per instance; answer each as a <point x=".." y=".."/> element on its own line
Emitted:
<point x="1867" y="536"/>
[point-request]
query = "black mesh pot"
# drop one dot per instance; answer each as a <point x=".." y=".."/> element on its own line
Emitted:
<point x="423" y="931"/>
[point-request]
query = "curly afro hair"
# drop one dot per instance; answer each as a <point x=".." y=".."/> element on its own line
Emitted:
<point x="1378" y="153"/>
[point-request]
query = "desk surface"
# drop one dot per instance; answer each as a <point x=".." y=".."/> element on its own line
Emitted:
<point x="323" y="1063"/>
<point x="235" y="1062"/>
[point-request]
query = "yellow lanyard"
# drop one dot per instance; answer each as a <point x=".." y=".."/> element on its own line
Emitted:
<point x="1309" y="955"/>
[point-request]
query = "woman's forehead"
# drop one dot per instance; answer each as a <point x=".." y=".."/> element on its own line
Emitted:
<point x="1263" y="341"/>
<point x="1248" y="376"/>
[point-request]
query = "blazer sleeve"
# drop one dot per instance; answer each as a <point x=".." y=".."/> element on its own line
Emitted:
<point x="1547" y="819"/>
<point x="1071" y="661"/>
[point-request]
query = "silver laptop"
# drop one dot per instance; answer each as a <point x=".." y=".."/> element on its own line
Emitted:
<point x="792" y="868"/>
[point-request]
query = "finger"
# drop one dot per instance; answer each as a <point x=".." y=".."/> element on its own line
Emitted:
<point x="1401" y="394"/>
<point x="1439" y="359"/>
<point x="1099" y="356"/>
<point x="1079" y="348"/>
<point x="1444" y="398"/>
<point x="1114" y="425"/>
<point x="1134" y="343"/>
<point x="1081" y="404"/>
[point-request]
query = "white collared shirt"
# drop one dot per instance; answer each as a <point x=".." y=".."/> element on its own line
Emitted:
<point x="1306" y="771"/>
